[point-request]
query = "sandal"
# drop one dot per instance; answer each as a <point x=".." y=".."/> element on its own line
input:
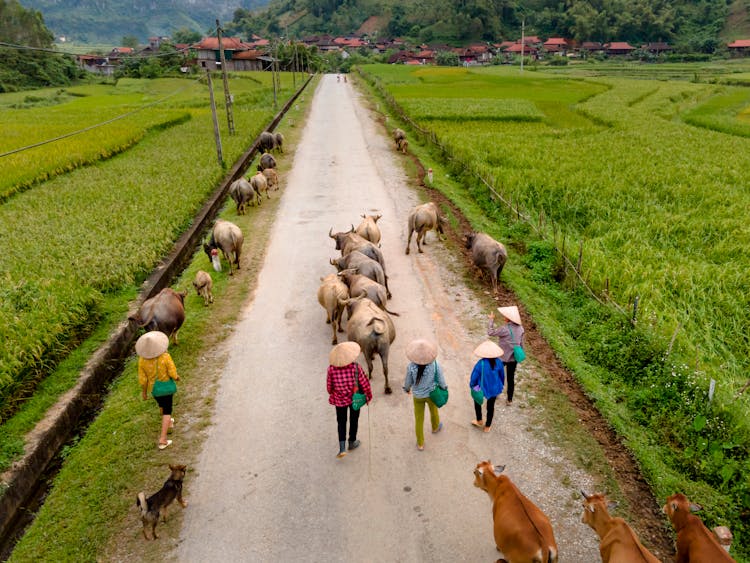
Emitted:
<point x="165" y="446"/>
<point x="420" y="448"/>
<point x="478" y="423"/>
<point x="486" y="428"/>
<point x="438" y="429"/>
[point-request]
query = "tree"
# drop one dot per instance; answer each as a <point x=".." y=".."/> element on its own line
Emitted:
<point x="447" y="58"/>
<point x="129" y="41"/>
<point x="185" y="35"/>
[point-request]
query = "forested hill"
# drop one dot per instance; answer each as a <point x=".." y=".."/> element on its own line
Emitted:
<point x="107" y="21"/>
<point x="696" y="25"/>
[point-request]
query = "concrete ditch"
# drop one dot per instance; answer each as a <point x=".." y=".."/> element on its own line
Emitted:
<point x="21" y="483"/>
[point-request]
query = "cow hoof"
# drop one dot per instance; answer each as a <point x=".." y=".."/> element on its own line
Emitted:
<point x="407" y="251"/>
<point x="421" y="251"/>
<point x="388" y="391"/>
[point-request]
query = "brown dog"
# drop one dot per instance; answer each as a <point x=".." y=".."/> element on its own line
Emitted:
<point x="156" y="505"/>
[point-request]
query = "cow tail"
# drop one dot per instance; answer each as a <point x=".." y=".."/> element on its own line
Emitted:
<point x="391" y="312"/>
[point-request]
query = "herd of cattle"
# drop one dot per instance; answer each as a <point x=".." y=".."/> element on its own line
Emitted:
<point x="166" y="310"/>
<point x="523" y="533"/>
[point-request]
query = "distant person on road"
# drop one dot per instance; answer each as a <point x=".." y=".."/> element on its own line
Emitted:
<point x="509" y="335"/>
<point x="422" y="375"/>
<point x="488" y="376"/>
<point x="157" y="374"/>
<point x="345" y="377"/>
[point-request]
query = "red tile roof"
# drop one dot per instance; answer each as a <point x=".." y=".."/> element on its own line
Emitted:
<point x="227" y="43"/>
<point x="516" y="48"/>
<point x="619" y="46"/>
<point x="246" y="55"/>
<point x="739" y="44"/>
<point x="556" y="41"/>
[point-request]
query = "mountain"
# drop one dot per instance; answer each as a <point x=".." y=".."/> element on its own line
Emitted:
<point x="108" y="21"/>
<point x="690" y="25"/>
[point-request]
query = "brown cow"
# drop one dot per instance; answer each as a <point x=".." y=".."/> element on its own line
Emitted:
<point x="362" y="263"/>
<point x="272" y="178"/>
<point x="403" y="145"/>
<point x="242" y="191"/>
<point x="695" y="542"/>
<point x="165" y="312"/>
<point x="424" y="218"/>
<point x="371" y="328"/>
<point x="617" y="541"/>
<point x="228" y="237"/>
<point x="266" y="161"/>
<point x="332" y="296"/>
<point x="487" y="254"/>
<point x="203" y="285"/>
<point x="259" y="184"/>
<point x="359" y="284"/>
<point x="523" y="532"/>
<point x="368" y="228"/>
<point x="399" y="136"/>
<point x="350" y="241"/>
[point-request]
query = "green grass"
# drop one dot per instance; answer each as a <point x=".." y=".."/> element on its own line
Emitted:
<point x="642" y="178"/>
<point x="89" y="514"/>
<point x="102" y="228"/>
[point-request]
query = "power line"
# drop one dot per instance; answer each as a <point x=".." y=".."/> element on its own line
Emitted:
<point x="90" y="127"/>
<point x="58" y="52"/>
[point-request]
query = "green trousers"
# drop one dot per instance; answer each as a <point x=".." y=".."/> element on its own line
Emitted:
<point x="419" y="417"/>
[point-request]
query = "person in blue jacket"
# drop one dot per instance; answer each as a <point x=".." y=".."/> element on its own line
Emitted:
<point x="489" y="376"/>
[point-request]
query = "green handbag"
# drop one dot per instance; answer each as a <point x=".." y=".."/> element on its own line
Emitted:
<point x="163" y="388"/>
<point x="359" y="399"/>
<point x="518" y="352"/>
<point x="438" y="395"/>
<point x="476" y="391"/>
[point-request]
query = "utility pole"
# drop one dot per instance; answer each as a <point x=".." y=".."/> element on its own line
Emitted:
<point x="273" y="75"/>
<point x="523" y="26"/>
<point x="227" y="95"/>
<point x="217" y="135"/>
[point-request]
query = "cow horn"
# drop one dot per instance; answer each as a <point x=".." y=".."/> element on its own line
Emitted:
<point x="332" y="262"/>
<point x="587" y="497"/>
<point x="363" y="216"/>
<point x="330" y="233"/>
<point x="352" y="228"/>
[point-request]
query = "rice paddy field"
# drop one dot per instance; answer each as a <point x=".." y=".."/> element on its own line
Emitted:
<point x="642" y="175"/>
<point x="86" y="218"/>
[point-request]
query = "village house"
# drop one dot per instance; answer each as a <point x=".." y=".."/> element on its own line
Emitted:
<point x="618" y="48"/>
<point x="556" y="45"/>
<point x="238" y="55"/>
<point x="657" y="48"/>
<point x="739" y="48"/>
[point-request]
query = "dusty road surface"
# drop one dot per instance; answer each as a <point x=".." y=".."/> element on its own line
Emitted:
<point x="268" y="486"/>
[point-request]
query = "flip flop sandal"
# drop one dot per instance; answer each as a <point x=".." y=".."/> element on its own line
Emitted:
<point x="165" y="446"/>
<point x="477" y="423"/>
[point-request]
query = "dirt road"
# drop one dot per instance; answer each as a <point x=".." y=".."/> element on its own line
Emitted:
<point x="268" y="486"/>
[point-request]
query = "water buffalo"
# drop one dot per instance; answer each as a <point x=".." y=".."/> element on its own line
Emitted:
<point x="423" y="218"/>
<point x="368" y="228"/>
<point x="402" y="145"/>
<point x="165" y="312"/>
<point x="259" y="184"/>
<point x="266" y="161"/>
<point x="278" y="142"/>
<point x="350" y="241"/>
<point x="398" y="136"/>
<point x="332" y="296"/>
<point x="266" y="142"/>
<point x="242" y="191"/>
<point x="272" y="178"/>
<point x="360" y="285"/>
<point x="364" y="265"/>
<point x="487" y="254"/>
<point x="203" y="285"/>
<point x="371" y="328"/>
<point x="227" y="237"/>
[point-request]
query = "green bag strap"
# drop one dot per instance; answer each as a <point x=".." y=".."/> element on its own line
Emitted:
<point x="437" y="382"/>
<point x="512" y="338"/>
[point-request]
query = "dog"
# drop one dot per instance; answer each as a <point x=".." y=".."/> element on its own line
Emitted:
<point x="156" y="505"/>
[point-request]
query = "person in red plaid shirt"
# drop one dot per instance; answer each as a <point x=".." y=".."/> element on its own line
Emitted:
<point x="343" y="375"/>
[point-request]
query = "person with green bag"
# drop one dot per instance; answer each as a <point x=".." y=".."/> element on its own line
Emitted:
<point x="423" y="376"/>
<point x="157" y="374"/>
<point x="488" y="377"/>
<point x="345" y="381"/>
<point x="510" y="339"/>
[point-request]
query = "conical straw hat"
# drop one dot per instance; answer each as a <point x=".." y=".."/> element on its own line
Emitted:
<point x="511" y="313"/>
<point x="488" y="349"/>
<point x="421" y="351"/>
<point x="343" y="354"/>
<point x="152" y="344"/>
